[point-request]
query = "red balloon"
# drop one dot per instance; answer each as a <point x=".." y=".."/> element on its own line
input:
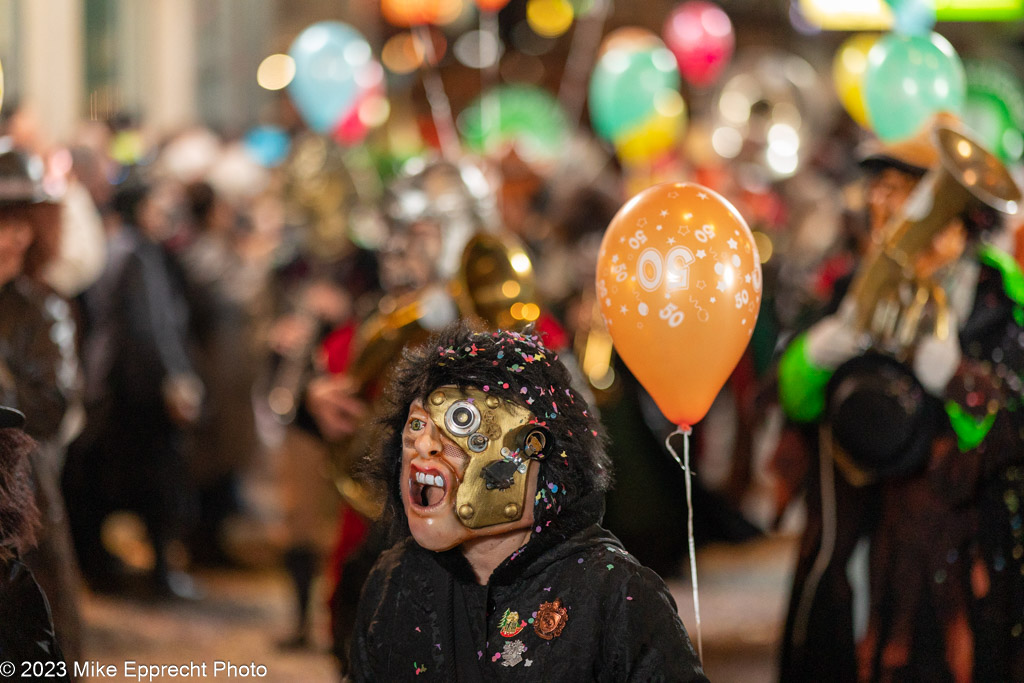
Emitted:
<point x="700" y="35"/>
<point x="491" y="5"/>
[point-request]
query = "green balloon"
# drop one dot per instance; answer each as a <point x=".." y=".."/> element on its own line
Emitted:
<point x="624" y="87"/>
<point x="994" y="109"/>
<point x="525" y="116"/>
<point x="909" y="79"/>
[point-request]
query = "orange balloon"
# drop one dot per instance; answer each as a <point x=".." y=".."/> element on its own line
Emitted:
<point x="679" y="281"/>
<point x="410" y="12"/>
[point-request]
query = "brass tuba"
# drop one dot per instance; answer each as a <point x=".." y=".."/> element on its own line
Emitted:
<point x="880" y="419"/>
<point x="893" y="306"/>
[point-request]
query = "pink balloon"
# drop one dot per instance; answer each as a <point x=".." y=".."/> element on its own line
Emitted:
<point x="700" y="35"/>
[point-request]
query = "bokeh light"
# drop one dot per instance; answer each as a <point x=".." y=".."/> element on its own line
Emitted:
<point x="275" y="72"/>
<point x="549" y="18"/>
<point x="401" y="54"/>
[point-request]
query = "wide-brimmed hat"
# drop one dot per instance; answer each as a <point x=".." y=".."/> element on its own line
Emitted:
<point x="880" y="416"/>
<point x="914" y="155"/>
<point x="21" y="177"/>
<point x="11" y="418"/>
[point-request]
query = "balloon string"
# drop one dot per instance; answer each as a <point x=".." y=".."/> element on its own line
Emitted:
<point x="585" y="37"/>
<point x="490" y="105"/>
<point x="685" y="430"/>
<point x="440" y="107"/>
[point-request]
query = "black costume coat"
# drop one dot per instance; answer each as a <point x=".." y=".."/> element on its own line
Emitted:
<point x="422" y="615"/>
<point x="26" y="630"/>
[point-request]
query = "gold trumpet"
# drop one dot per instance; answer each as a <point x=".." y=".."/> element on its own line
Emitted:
<point x="495" y="285"/>
<point x="894" y="305"/>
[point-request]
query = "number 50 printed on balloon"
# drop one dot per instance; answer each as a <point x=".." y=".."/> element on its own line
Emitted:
<point x="679" y="281"/>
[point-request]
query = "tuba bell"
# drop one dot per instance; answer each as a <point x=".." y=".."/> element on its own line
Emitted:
<point x="893" y="306"/>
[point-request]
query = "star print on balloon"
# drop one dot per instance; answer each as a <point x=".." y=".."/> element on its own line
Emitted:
<point x="679" y="281"/>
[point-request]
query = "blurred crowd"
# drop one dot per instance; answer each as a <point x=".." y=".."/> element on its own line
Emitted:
<point x="176" y="314"/>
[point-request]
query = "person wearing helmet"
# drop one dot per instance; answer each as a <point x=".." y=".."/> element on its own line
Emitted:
<point x="495" y="474"/>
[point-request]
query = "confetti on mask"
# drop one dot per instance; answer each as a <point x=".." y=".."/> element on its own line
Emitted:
<point x="579" y="561"/>
<point x="419" y="669"/>
<point x="553" y="487"/>
<point x="496" y="657"/>
<point x="479" y="654"/>
<point x="527" y="662"/>
<point x="629" y="597"/>
<point x="548" y="589"/>
<point x="610" y="566"/>
<point x="537" y="530"/>
<point x="418" y="630"/>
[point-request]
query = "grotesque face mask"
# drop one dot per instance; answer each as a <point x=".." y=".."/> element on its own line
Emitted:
<point x="466" y="466"/>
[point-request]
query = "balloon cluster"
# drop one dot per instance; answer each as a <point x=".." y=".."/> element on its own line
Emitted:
<point x="634" y="96"/>
<point x="338" y="85"/>
<point x="893" y="84"/>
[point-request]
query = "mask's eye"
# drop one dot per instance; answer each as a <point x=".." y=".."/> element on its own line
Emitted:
<point x="462" y="418"/>
<point x="416" y="424"/>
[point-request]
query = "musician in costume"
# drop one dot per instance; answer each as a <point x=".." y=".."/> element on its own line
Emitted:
<point x="495" y="475"/>
<point x="914" y="385"/>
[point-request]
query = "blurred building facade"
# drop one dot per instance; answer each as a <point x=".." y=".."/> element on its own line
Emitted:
<point x="170" y="63"/>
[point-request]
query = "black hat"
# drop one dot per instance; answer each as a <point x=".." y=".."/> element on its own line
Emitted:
<point x="21" y="177"/>
<point x="881" y="416"/>
<point x="11" y="418"/>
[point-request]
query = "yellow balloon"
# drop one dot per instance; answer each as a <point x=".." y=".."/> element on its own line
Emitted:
<point x="848" y="68"/>
<point x="658" y="134"/>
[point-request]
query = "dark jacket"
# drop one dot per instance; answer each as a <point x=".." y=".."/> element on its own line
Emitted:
<point x="26" y="630"/>
<point x="422" y="615"/>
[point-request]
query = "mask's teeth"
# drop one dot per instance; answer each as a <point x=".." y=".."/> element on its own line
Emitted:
<point x="439" y="481"/>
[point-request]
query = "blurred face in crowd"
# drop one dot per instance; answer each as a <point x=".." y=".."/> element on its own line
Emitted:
<point x="158" y="212"/>
<point x="408" y="260"/>
<point x="15" y="238"/>
<point x="433" y="468"/>
<point x="887" y="191"/>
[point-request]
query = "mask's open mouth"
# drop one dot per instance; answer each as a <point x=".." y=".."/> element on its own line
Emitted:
<point x="428" y="488"/>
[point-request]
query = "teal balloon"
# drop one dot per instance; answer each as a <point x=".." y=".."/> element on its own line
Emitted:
<point x="624" y="87"/>
<point x="525" y="116"/>
<point x="329" y="59"/>
<point x="994" y="109"/>
<point x="909" y="79"/>
<point x="912" y="17"/>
